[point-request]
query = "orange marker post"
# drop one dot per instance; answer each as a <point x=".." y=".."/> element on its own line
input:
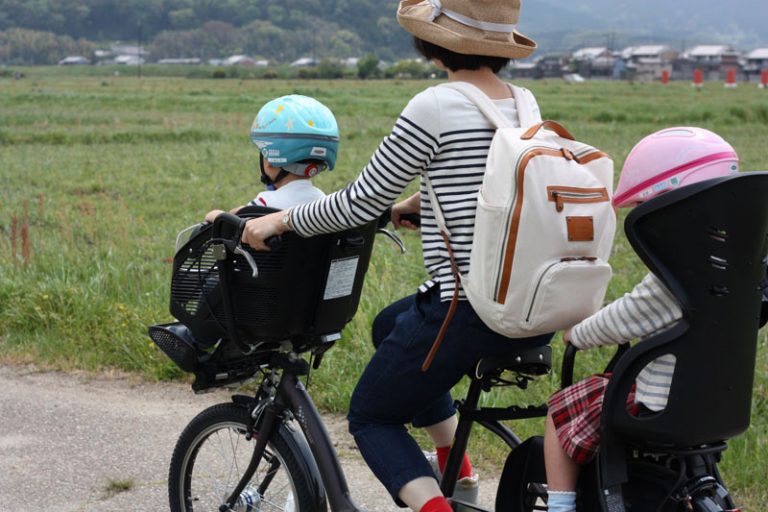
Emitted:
<point x="730" y="79"/>
<point x="698" y="78"/>
<point x="764" y="79"/>
<point x="665" y="76"/>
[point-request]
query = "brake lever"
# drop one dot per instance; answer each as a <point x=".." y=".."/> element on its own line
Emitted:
<point x="392" y="236"/>
<point x="249" y="258"/>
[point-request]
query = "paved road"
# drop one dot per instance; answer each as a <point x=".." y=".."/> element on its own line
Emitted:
<point x="65" y="438"/>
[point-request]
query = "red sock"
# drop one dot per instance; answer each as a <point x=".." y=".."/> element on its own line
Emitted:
<point x="442" y="458"/>
<point x="437" y="504"/>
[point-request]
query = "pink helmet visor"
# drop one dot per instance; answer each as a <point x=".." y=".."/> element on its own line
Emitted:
<point x="672" y="158"/>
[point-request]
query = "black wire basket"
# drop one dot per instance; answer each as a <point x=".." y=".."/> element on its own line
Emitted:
<point x="306" y="288"/>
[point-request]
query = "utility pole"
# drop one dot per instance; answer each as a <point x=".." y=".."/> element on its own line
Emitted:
<point x="140" y="56"/>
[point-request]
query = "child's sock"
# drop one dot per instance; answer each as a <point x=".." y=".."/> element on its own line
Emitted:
<point x="437" y="504"/>
<point x="561" y="501"/>
<point x="442" y="458"/>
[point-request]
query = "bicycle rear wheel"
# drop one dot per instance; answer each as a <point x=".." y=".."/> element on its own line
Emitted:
<point x="212" y="454"/>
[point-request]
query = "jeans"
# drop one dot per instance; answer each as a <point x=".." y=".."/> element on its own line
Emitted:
<point x="393" y="391"/>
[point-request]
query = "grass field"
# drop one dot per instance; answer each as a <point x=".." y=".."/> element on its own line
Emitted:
<point x="107" y="170"/>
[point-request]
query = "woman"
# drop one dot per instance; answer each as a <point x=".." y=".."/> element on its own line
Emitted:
<point x="440" y="134"/>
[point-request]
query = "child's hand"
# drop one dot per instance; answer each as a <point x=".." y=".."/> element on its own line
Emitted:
<point x="410" y="205"/>
<point x="211" y="215"/>
<point x="567" y="337"/>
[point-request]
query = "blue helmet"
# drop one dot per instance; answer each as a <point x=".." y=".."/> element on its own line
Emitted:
<point x="295" y="128"/>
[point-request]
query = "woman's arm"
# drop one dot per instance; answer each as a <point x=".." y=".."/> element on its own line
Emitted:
<point x="400" y="158"/>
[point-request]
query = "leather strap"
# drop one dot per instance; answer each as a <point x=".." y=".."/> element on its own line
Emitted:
<point x="549" y="125"/>
<point x="451" y="309"/>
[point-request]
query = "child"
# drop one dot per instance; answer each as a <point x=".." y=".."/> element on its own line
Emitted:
<point x="298" y="138"/>
<point x="572" y="433"/>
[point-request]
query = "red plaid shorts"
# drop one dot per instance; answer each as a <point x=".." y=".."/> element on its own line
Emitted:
<point x="576" y="412"/>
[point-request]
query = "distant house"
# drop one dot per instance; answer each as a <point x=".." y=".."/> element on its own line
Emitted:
<point x="189" y="62"/>
<point x="304" y="62"/>
<point x="350" y="62"/>
<point x="517" y="69"/>
<point x="128" y="60"/>
<point x="551" y="66"/>
<point x="245" y="61"/>
<point x="755" y="62"/>
<point x="74" y="60"/>
<point x="122" y="54"/>
<point x="714" y="60"/>
<point x="593" y="62"/>
<point x="648" y="62"/>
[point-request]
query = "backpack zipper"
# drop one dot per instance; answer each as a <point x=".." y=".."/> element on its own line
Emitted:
<point x="562" y="195"/>
<point x="505" y="273"/>
<point x="544" y="273"/>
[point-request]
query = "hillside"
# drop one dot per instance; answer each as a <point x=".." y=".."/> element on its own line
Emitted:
<point x="283" y="30"/>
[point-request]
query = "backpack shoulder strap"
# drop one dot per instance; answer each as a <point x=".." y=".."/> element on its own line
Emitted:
<point x="527" y="107"/>
<point x="483" y="103"/>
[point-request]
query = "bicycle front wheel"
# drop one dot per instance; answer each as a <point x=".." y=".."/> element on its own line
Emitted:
<point x="212" y="454"/>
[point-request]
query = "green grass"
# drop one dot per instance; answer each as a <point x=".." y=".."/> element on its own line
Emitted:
<point x="112" y="167"/>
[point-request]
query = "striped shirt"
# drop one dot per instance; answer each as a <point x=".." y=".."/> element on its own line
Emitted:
<point x="646" y="310"/>
<point x="442" y="134"/>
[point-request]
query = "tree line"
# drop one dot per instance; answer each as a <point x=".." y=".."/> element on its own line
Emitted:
<point x="279" y="30"/>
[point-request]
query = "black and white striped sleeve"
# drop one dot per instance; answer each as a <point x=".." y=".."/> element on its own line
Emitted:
<point x="400" y="158"/>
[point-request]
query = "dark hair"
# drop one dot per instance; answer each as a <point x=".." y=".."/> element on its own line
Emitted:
<point x="456" y="61"/>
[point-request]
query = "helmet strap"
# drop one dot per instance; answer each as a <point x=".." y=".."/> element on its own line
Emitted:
<point x="266" y="180"/>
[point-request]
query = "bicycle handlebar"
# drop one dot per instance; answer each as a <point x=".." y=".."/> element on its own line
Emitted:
<point x="228" y="229"/>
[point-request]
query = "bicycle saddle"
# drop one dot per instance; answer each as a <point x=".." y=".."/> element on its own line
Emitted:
<point x="528" y="360"/>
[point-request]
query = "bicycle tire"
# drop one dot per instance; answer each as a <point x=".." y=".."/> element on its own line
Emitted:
<point x="212" y="453"/>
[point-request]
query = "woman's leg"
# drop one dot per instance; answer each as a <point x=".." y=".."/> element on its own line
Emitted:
<point x="393" y="391"/>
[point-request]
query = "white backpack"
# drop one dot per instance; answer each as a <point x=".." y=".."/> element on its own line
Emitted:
<point x="544" y="224"/>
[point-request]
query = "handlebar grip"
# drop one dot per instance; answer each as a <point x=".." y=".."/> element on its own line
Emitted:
<point x="413" y="218"/>
<point x="224" y="220"/>
<point x="386" y="218"/>
<point x="274" y="242"/>
<point x="569" y="360"/>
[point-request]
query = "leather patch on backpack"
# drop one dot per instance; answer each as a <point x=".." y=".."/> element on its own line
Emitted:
<point x="580" y="229"/>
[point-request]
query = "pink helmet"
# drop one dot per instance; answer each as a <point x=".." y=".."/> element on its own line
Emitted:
<point x="672" y="158"/>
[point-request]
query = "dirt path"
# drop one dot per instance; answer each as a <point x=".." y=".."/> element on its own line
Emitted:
<point x="66" y="439"/>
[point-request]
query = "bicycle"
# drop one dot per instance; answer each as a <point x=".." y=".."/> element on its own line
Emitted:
<point x="247" y="455"/>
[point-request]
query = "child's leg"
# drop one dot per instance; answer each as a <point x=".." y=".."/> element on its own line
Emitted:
<point x="562" y="472"/>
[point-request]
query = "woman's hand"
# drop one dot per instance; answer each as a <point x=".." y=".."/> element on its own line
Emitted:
<point x="410" y="205"/>
<point x="259" y="229"/>
<point x="211" y="215"/>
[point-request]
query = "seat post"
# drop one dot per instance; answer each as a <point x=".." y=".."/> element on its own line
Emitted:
<point x="461" y="439"/>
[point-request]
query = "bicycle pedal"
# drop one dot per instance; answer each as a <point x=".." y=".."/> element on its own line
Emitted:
<point x="463" y="506"/>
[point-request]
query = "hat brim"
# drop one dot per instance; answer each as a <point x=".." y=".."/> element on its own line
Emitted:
<point x="459" y="38"/>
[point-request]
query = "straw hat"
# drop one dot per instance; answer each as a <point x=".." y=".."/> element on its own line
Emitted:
<point x="471" y="27"/>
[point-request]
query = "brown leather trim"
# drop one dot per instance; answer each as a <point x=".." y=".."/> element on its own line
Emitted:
<point x="589" y="157"/>
<point x="549" y="125"/>
<point x="509" y="253"/>
<point x="451" y="309"/>
<point x="580" y="229"/>
<point x="514" y="224"/>
<point x="559" y="200"/>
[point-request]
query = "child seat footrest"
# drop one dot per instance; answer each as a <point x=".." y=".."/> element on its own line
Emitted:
<point x="179" y="350"/>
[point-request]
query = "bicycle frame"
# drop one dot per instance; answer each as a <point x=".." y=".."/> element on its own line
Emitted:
<point x="291" y="395"/>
